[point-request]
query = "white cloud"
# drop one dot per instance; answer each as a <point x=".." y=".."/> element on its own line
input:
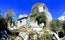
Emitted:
<point x="61" y="18"/>
<point x="64" y="12"/>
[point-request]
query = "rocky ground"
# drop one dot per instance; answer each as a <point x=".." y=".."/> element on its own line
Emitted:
<point x="34" y="34"/>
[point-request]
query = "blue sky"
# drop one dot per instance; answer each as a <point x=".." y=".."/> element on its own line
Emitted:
<point x="56" y="7"/>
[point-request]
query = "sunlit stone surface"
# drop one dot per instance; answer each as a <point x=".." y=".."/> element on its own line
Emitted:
<point x="22" y="21"/>
<point x="41" y="9"/>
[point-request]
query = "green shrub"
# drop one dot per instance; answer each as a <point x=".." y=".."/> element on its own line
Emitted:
<point x="45" y="37"/>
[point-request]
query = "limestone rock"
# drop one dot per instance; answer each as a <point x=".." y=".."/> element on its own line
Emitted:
<point x="38" y="8"/>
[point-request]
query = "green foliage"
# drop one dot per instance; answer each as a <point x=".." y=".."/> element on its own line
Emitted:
<point x="56" y="25"/>
<point x="3" y="23"/>
<point x="41" y="18"/>
<point x="63" y="26"/>
<point x="46" y="37"/>
<point x="9" y="16"/>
